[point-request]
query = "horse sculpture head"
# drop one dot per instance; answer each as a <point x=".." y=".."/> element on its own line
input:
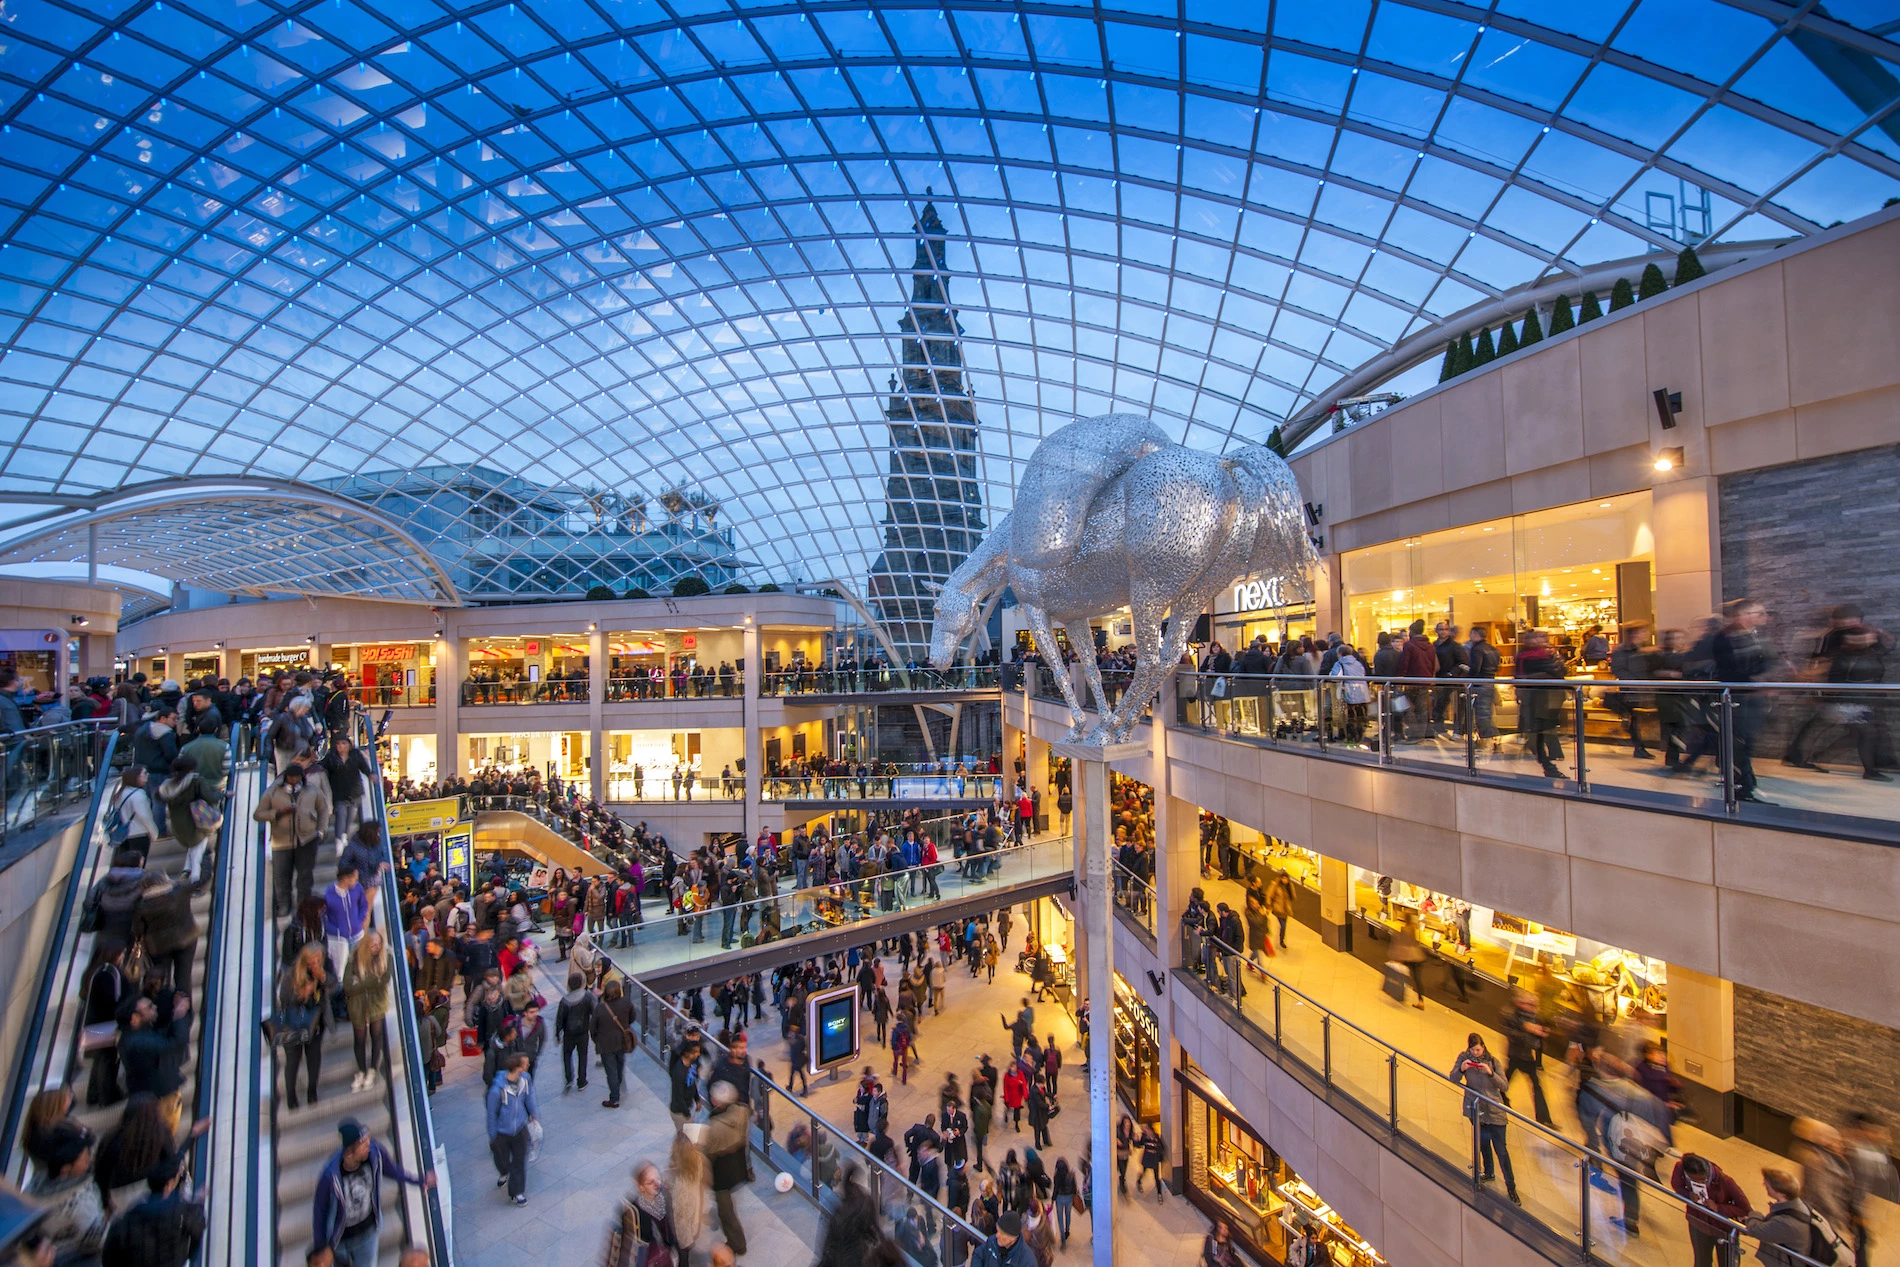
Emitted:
<point x="1281" y="545"/>
<point x="956" y="620"/>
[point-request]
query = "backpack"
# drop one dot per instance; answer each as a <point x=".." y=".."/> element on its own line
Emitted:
<point x="1635" y="1142"/>
<point x="118" y="824"/>
<point x="1824" y="1243"/>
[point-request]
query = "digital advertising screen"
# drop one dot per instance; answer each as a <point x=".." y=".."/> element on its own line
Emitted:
<point x="831" y="1027"/>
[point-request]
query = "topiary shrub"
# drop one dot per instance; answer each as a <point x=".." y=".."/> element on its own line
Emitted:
<point x="1448" y="368"/>
<point x="1621" y="296"/>
<point x="600" y="594"/>
<point x="1486" y="351"/>
<point x="690" y="587"/>
<point x="1652" y="283"/>
<point x="735" y="588"/>
<point x="1592" y="308"/>
<point x="770" y="587"/>
<point x="1688" y="266"/>
<point x="1276" y="441"/>
<point x="1533" y="329"/>
<point x="636" y="592"/>
<point x="1466" y="355"/>
<point x="1561" y="318"/>
<point x="1507" y="340"/>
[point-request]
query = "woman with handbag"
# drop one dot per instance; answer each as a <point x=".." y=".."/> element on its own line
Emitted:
<point x="644" y="1236"/>
<point x="366" y="996"/>
<point x="195" y="814"/>
<point x="303" y="1013"/>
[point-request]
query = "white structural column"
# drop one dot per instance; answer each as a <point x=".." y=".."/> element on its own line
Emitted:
<point x="1177" y="871"/>
<point x="1094" y="896"/>
<point x="596" y="700"/>
<point x="754" y="745"/>
<point x="448" y="703"/>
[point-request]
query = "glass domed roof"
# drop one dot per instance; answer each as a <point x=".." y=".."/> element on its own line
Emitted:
<point x="659" y="253"/>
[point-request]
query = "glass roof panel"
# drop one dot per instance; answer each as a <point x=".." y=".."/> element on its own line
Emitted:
<point x="554" y="266"/>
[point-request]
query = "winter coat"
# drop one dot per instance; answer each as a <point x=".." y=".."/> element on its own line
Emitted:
<point x="366" y="992"/>
<point x="1787" y="1225"/>
<point x="510" y="1105"/>
<point x="159" y="1231"/>
<point x="611" y="1026"/>
<point x="165" y="921"/>
<point x="1481" y="1078"/>
<point x="178" y="793"/>
<point x="296" y="819"/>
<point x="326" y="1219"/>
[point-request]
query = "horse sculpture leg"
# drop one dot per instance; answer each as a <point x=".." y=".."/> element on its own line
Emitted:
<point x="1083" y="640"/>
<point x="1156" y="654"/>
<point x="1045" y="636"/>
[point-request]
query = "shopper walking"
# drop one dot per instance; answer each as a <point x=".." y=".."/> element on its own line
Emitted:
<point x="303" y="1015"/>
<point x="611" y="1027"/>
<point x="1151" y="1152"/>
<point x="299" y="813"/>
<point x="511" y="1115"/>
<point x="1709" y="1193"/>
<point x="573" y="1022"/>
<point x="1524" y="1048"/>
<point x="725" y="1147"/>
<point x="644" y="1234"/>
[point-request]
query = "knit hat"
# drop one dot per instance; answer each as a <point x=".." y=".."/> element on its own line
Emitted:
<point x="1009" y="1223"/>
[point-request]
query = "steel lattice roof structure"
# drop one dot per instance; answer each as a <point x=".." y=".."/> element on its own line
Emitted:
<point x="652" y="248"/>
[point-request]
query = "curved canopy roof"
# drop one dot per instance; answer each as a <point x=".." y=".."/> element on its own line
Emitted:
<point x="251" y="537"/>
<point x="661" y="246"/>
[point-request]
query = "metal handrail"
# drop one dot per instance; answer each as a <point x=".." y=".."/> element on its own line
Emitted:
<point x="1128" y="879"/>
<point x="209" y="1017"/>
<point x="1235" y="961"/>
<point x="1633" y="685"/>
<point x="951" y="1221"/>
<point x="422" y="1122"/>
<point x="63" y="943"/>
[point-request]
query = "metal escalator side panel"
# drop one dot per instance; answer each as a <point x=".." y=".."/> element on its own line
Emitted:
<point x="235" y="1161"/>
<point x="59" y="1015"/>
<point x="425" y="1209"/>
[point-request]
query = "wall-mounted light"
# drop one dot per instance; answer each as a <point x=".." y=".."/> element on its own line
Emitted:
<point x="311" y="638"/>
<point x="218" y="645"/>
<point x="161" y="651"/>
<point x="592" y="627"/>
<point x="1669" y="459"/>
<point x="1668" y="405"/>
<point x="78" y="621"/>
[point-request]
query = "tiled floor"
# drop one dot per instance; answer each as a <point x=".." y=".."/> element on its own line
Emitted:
<point x="1147" y="1232"/>
<point x="585" y="1167"/>
<point x="1548" y="1174"/>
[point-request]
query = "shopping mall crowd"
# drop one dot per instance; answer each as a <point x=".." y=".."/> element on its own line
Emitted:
<point x="1733" y="649"/>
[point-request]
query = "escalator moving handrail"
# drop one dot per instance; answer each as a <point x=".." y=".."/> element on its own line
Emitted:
<point x="435" y="1230"/>
<point x="209" y="1015"/>
<point x="83" y="860"/>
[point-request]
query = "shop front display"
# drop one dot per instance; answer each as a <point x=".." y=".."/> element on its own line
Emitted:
<point x="545" y="752"/>
<point x="1568" y="973"/>
<point x="1563" y="571"/>
<point x="1233" y="1174"/>
<point x="389" y="675"/>
<point x="202" y="665"/>
<point x="1137" y="1053"/>
<point x="264" y="662"/>
<point x="539" y="669"/>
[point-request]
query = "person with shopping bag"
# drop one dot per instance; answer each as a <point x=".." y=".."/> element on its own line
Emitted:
<point x="513" y="1123"/>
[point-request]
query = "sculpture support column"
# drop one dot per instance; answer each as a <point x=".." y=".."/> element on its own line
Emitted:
<point x="596" y="702"/>
<point x="1094" y="895"/>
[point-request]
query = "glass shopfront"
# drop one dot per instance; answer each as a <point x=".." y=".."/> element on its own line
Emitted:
<point x="267" y="661"/>
<point x="1567" y="973"/>
<point x="1561" y="570"/>
<point x="204" y="664"/>
<point x="538" y="669"/>
<point x="388" y="675"/>
<point x="1137" y="1053"/>
<point x="1233" y="1174"/>
<point x="546" y="752"/>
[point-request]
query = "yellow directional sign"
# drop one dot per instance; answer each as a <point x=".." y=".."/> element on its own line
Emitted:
<point x="410" y="817"/>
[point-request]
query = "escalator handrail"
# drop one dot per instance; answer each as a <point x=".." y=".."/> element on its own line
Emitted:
<point x="62" y="943"/>
<point x="209" y="1016"/>
<point x="422" y="1122"/>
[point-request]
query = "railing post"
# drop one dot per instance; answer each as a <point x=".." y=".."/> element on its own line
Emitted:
<point x="1278" y="1045"/>
<point x="1730" y="797"/>
<point x="1576" y="704"/>
<point x="1471" y="729"/>
<point x="1322" y="709"/>
<point x="1392" y="1089"/>
<point x="1583" y="1209"/>
<point x="1384" y="732"/>
<point x="1326" y="1047"/>
<point x="1476" y="1110"/>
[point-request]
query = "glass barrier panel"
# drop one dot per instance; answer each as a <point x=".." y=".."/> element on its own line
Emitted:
<point x="1431" y="1113"/>
<point x="1362" y="1068"/>
<point x="1302" y="1028"/>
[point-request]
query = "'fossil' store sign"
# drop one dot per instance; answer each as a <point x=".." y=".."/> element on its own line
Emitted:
<point x="1253" y="596"/>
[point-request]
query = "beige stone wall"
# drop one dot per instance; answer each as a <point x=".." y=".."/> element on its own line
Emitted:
<point x="1784" y="357"/>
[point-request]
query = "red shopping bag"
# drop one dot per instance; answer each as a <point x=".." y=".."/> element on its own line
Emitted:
<point x="471" y="1041"/>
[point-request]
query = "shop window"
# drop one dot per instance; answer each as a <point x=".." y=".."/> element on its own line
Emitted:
<point x="1560" y="570"/>
<point x="1137" y="1053"/>
<point x="1233" y="1174"/>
